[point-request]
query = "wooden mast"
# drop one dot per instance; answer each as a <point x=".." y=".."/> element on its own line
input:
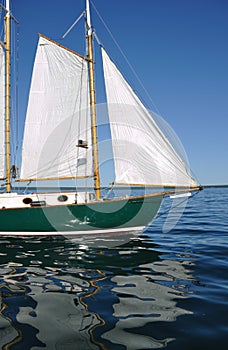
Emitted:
<point x="7" y="99"/>
<point x="93" y="103"/>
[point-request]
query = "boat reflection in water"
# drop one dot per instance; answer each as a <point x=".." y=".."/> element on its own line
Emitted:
<point x="45" y="312"/>
<point x="150" y="296"/>
<point x="67" y="295"/>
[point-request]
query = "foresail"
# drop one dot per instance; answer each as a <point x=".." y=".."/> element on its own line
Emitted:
<point x="2" y="113"/>
<point x="142" y="153"/>
<point x="58" y="116"/>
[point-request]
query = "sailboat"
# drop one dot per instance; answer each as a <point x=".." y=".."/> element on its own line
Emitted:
<point x="61" y="143"/>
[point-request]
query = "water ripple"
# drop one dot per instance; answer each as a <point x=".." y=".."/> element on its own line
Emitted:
<point x="150" y="290"/>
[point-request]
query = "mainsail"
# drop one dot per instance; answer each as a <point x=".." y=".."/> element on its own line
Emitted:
<point x="2" y="113"/>
<point x="58" y="116"/>
<point x="142" y="153"/>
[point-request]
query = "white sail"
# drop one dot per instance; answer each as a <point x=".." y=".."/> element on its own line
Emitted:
<point x="2" y="113"/>
<point x="58" y="116"/>
<point x="142" y="153"/>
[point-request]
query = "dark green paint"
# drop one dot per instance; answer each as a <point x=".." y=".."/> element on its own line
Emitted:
<point x="131" y="212"/>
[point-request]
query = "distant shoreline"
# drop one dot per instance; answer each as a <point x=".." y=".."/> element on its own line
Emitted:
<point x="210" y="186"/>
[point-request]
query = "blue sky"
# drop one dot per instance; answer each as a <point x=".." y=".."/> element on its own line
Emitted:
<point x="179" y="50"/>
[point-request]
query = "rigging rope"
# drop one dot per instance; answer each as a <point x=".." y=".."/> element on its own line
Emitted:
<point x="15" y="138"/>
<point x="1" y="21"/>
<point x="79" y="112"/>
<point x="125" y="57"/>
<point x="73" y="25"/>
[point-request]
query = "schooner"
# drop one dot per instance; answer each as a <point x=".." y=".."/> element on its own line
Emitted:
<point x="60" y="143"/>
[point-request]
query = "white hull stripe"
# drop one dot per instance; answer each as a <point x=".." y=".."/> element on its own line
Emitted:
<point x="71" y="233"/>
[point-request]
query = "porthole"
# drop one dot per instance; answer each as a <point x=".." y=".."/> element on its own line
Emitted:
<point x="62" y="198"/>
<point x="27" y="200"/>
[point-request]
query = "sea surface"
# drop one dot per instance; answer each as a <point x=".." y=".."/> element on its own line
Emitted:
<point x="164" y="287"/>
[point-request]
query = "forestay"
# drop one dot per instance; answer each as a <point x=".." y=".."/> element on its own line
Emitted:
<point x="58" y="116"/>
<point x="142" y="153"/>
<point x="2" y="113"/>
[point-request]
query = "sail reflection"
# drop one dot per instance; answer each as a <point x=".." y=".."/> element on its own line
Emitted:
<point x="41" y="308"/>
<point x="150" y="296"/>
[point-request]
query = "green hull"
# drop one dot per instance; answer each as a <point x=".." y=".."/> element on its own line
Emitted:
<point x="104" y="215"/>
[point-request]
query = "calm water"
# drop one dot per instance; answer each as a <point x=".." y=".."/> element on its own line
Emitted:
<point x="147" y="291"/>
